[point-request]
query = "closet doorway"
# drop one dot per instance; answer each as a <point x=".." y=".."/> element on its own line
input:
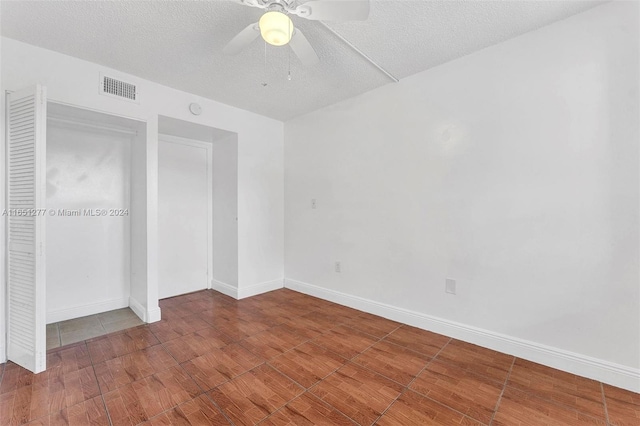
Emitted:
<point x="197" y="207"/>
<point x="70" y="236"/>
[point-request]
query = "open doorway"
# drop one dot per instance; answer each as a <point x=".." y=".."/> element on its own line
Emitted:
<point x="197" y="207"/>
<point x="89" y="159"/>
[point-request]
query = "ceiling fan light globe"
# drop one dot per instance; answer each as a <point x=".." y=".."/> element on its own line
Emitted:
<point x="276" y="28"/>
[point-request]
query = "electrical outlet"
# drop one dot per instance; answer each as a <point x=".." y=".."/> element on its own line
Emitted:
<point x="338" y="267"/>
<point x="313" y="203"/>
<point x="450" y="286"/>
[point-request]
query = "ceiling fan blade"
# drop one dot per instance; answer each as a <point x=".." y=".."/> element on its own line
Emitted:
<point x="333" y="10"/>
<point x="303" y="50"/>
<point x="252" y="3"/>
<point x="242" y="40"/>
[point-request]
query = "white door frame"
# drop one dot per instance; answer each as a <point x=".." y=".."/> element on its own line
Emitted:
<point x="208" y="146"/>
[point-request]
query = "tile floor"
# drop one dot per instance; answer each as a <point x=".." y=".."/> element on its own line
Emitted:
<point x="79" y="329"/>
<point x="284" y="358"/>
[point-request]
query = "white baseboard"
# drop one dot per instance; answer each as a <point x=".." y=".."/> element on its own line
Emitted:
<point x="85" y="310"/>
<point x="154" y="315"/>
<point x="225" y="288"/>
<point x="582" y="365"/>
<point x="3" y="354"/>
<point x="146" y="315"/>
<point x="260" y="288"/>
<point x="248" y="291"/>
<point x="138" y="309"/>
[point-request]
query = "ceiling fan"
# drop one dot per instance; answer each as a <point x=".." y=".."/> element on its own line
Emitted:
<point x="277" y="29"/>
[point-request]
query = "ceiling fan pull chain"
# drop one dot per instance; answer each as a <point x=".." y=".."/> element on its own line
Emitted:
<point x="289" y="75"/>
<point x="289" y="58"/>
<point x="264" y="74"/>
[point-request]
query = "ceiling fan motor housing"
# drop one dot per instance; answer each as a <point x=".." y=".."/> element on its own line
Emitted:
<point x="276" y="27"/>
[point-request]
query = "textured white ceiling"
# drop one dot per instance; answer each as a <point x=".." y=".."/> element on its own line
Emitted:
<point x="179" y="44"/>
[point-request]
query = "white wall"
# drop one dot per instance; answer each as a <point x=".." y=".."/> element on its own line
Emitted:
<point x="88" y="257"/>
<point x="141" y="301"/>
<point x="260" y="155"/>
<point x="225" y="211"/>
<point x="513" y="170"/>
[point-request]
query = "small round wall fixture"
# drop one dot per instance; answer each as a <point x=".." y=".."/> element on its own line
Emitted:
<point x="195" y="109"/>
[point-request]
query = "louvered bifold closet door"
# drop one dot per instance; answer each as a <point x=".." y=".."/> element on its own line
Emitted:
<point x="26" y="185"/>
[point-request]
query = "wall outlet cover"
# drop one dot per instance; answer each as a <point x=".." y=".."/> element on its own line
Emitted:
<point x="450" y="286"/>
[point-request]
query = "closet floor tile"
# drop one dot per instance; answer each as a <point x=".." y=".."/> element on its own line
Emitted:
<point x="84" y="328"/>
<point x="52" y="328"/>
<point x="81" y="334"/>
<point x="53" y="341"/>
<point x="53" y="336"/>
<point x="78" y="324"/>
<point x="117" y="315"/>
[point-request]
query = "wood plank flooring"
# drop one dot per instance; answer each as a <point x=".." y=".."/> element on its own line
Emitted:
<point x="285" y="358"/>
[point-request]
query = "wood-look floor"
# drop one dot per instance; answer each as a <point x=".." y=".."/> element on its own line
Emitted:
<point x="284" y="358"/>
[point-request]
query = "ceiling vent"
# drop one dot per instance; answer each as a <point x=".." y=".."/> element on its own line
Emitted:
<point x="117" y="88"/>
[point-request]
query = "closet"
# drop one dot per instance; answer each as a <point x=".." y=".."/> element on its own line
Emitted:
<point x="197" y="207"/>
<point x="88" y="236"/>
<point x="80" y="242"/>
<point x="71" y="217"/>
